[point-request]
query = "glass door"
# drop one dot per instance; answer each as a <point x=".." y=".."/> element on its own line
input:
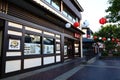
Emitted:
<point x="68" y="48"/>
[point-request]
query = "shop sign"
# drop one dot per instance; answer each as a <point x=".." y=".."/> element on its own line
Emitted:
<point x="76" y="35"/>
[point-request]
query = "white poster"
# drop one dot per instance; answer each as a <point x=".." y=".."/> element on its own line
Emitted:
<point x="31" y="48"/>
<point x="48" y="49"/>
<point x="65" y="49"/>
<point x="14" y="44"/>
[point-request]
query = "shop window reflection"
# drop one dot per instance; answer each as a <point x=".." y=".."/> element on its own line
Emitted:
<point x="48" y="45"/>
<point x="65" y="49"/>
<point x="57" y="46"/>
<point x="48" y="1"/>
<point x="56" y="4"/>
<point x="32" y="44"/>
<point x="76" y="44"/>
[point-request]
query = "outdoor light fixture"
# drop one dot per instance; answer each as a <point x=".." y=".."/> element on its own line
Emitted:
<point x="67" y="25"/>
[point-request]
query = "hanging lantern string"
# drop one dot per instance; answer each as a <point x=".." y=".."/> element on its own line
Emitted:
<point x="104" y="38"/>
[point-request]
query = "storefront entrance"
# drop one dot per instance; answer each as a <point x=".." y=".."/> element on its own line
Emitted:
<point x="1" y="37"/>
<point x="69" y="48"/>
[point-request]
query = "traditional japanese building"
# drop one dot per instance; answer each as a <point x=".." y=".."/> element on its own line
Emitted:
<point x="33" y="34"/>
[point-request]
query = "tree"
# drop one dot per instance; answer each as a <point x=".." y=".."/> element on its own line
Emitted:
<point x="114" y="11"/>
<point x="109" y="35"/>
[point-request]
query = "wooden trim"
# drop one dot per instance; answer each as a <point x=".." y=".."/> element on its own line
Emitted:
<point x="5" y="42"/>
<point x="22" y="48"/>
<point x="62" y="48"/>
<point x="1" y="57"/>
<point x="15" y="29"/>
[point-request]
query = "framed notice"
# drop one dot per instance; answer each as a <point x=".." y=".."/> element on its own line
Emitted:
<point x="14" y="44"/>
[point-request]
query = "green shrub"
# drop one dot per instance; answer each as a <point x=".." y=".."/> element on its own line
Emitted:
<point x="104" y="53"/>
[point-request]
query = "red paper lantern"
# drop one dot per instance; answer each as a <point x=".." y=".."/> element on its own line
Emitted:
<point x="113" y="39"/>
<point x="95" y="37"/>
<point x="76" y="24"/>
<point x="103" y="38"/>
<point x="117" y="40"/>
<point x="102" y="21"/>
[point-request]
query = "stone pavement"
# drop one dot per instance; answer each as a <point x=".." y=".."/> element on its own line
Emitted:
<point x="100" y="69"/>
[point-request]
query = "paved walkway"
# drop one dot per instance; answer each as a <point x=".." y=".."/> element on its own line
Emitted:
<point x="99" y="70"/>
<point x="104" y="69"/>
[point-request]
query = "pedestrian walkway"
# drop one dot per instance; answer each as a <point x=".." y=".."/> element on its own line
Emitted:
<point x="108" y="69"/>
<point x="47" y="73"/>
<point x="103" y="69"/>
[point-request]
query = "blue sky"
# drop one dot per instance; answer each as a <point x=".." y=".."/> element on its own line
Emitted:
<point x="93" y="11"/>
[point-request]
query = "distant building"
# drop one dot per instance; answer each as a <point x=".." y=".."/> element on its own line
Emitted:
<point x="88" y="43"/>
<point x="33" y="34"/>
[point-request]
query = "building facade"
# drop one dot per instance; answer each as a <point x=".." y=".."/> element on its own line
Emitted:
<point x="33" y="34"/>
<point x="89" y="50"/>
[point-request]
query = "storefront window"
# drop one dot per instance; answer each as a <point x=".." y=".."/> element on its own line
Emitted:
<point x="76" y="47"/>
<point x="65" y="49"/>
<point x="56" y="4"/>
<point x="57" y="46"/>
<point x="48" y="45"/>
<point x="32" y="44"/>
<point x="48" y="1"/>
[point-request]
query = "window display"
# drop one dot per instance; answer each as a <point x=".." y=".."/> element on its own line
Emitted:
<point x="48" y="45"/>
<point x="32" y="44"/>
<point x="57" y="46"/>
<point x="76" y="47"/>
<point x="56" y="4"/>
<point x="76" y="50"/>
<point x="65" y="49"/>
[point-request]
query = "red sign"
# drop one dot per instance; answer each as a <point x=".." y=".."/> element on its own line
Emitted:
<point x="77" y="35"/>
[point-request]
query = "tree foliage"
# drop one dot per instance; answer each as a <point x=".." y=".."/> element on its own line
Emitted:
<point x="113" y="10"/>
<point x="109" y="32"/>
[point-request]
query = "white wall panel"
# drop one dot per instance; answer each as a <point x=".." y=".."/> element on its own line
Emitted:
<point x="34" y="62"/>
<point x="58" y="58"/>
<point x="32" y="29"/>
<point x="14" y="25"/>
<point x="14" y="33"/>
<point x="13" y="53"/>
<point x="12" y="66"/>
<point x="48" y="60"/>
